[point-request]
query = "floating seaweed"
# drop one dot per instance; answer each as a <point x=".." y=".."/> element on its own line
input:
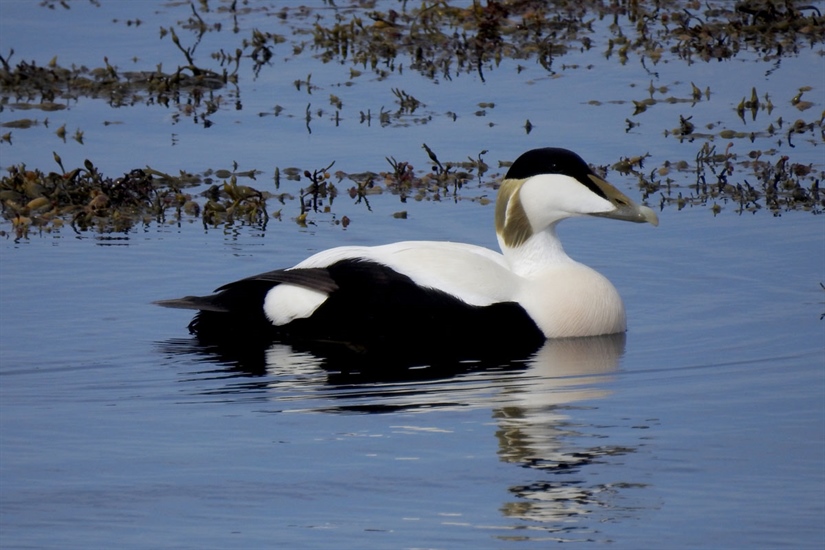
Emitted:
<point x="84" y="199"/>
<point x="751" y="182"/>
<point x="439" y="40"/>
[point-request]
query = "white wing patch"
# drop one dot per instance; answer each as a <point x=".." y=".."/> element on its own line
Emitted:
<point x="285" y="303"/>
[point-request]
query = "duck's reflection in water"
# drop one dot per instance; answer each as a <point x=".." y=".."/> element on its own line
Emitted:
<point x="532" y="396"/>
<point x="537" y="430"/>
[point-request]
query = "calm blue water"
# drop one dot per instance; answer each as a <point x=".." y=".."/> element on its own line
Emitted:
<point x="704" y="428"/>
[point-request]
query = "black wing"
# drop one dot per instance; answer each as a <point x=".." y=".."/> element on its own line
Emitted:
<point x="249" y="292"/>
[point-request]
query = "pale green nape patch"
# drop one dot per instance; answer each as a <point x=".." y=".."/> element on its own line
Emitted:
<point x="511" y="219"/>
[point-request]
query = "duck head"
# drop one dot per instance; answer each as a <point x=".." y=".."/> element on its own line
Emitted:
<point x="545" y="186"/>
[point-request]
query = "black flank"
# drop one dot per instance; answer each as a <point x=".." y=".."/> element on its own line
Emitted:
<point x="370" y="307"/>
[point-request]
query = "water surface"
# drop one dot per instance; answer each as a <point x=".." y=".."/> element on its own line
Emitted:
<point x="703" y="427"/>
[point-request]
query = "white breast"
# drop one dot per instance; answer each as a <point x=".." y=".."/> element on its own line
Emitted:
<point x="572" y="300"/>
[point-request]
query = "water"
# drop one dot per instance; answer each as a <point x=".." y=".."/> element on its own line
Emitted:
<point x="708" y="427"/>
<point x="704" y="427"/>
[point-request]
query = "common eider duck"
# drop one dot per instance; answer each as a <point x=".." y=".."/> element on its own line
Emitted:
<point x="429" y="292"/>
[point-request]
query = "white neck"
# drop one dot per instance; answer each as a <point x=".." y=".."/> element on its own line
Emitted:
<point x="564" y="298"/>
<point x="541" y="250"/>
